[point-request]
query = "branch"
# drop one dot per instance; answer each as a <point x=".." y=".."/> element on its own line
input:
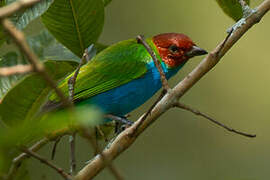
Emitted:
<point x="18" y="69"/>
<point x="72" y="79"/>
<point x="38" y="67"/>
<point x="196" y="112"/>
<point x="71" y="88"/>
<point x="164" y="81"/>
<point x="16" y="163"/>
<point x="95" y="146"/>
<point x="124" y="140"/>
<point x="9" y="10"/>
<point x="48" y="163"/>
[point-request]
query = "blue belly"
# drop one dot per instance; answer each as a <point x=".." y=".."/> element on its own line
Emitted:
<point x="124" y="99"/>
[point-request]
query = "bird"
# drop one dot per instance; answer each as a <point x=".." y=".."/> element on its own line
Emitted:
<point x="123" y="76"/>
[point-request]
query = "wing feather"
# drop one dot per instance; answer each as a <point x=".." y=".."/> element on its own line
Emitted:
<point x="113" y="67"/>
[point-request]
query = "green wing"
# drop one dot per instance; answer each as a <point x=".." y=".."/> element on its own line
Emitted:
<point x="113" y="67"/>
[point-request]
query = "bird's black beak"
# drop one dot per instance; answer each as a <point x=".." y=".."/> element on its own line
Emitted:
<point x="196" y="51"/>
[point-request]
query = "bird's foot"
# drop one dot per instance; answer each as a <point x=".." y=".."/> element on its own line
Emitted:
<point x="247" y="11"/>
<point x="121" y="122"/>
<point x="121" y="126"/>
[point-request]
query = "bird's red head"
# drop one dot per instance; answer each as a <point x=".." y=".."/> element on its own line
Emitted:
<point x="175" y="48"/>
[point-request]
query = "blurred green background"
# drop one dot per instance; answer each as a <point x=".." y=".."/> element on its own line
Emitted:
<point x="181" y="145"/>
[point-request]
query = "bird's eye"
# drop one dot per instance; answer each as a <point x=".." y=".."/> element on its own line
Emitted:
<point x="173" y="49"/>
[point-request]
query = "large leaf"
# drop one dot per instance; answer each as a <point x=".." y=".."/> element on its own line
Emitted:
<point x="22" y="19"/>
<point x="75" y="23"/>
<point x="9" y="59"/>
<point x="232" y="8"/>
<point x="47" y="47"/>
<point x="24" y="100"/>
<point x="32" y="13"/>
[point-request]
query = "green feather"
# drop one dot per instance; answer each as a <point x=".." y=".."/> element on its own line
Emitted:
<point x="113" y="67"/>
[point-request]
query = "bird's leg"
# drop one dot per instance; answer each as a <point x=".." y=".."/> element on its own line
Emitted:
<point x="247" y="11"/>
<point x="120" y="122"/>
<point x="119" y="119"/>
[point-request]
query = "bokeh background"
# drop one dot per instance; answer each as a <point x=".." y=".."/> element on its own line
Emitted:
<point x="181" y="145"/>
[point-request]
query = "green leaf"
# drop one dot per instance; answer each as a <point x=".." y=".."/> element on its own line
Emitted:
<point x="9" y="59"/>
<point x="47" y="47"/>
<point x="232" y="8"/>
<point x="32" y="13"/>
<point x="21" y="20"/>
<point x="24" y="99"/>
<point x="75" y="23"/>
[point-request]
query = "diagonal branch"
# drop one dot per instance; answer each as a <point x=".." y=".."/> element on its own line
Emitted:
<point x="164" y="81"/>
<point x="114" y="171"/>
<point x="38" y="67"/>
<point x="124" y="140"/>
<point x="197" y="112"/>
<point x="9" y="10"/>
<point x="16" y="163"/>
<point x="48" y="163"/>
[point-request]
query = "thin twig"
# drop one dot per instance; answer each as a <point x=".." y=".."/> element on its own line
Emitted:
<point x="9" y="10"/>
<point x="165" y="85"/>
<point x="197" y="112"/>
<point x="72" y="79"/>
<point x="72" y="153"/>
<point x="123" y="141"/>
<point x="55" y="147"/>
<point x="16" y="163"/>
<point x="38" y="67"/>
<point x="225" y="41"/>
<point x="18" y="69"/>
<point x="111" y="167"/>
<point x="164" y="81"/>
<point x="60" y="171"/>
<point x="71" y="89"/>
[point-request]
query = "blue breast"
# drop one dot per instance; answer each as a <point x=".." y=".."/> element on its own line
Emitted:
<point x="124" y="99"/>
